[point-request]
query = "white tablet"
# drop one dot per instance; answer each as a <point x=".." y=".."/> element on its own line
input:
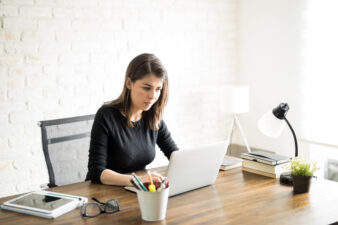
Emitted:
<point x="44" y="204"/>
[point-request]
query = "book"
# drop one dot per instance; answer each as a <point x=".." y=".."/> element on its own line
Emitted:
<point x="273" y="175"/>
<point x="276" y="169"/>
<point x="265" y="157"/>
<point x="230" y="162"/>
<point x="44" y="204"/>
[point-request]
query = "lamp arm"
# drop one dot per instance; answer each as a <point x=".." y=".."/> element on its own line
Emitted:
<point x="294" y="136"/>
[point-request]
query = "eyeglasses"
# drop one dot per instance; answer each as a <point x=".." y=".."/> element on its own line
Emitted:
<point x="95" y="209"/>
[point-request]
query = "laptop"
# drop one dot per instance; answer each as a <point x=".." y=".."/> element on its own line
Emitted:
<point x="194" y="168"/>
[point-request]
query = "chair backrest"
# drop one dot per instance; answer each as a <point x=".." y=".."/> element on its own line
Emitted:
<point x="331" y="169"/>
<point x="65" y="145"/>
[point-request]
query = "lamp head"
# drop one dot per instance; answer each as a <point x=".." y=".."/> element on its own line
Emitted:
<point x="281" y="110"/>
<point x="272" y="123"/>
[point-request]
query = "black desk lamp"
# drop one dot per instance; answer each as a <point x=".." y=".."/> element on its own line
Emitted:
<point x="272" y="124"/>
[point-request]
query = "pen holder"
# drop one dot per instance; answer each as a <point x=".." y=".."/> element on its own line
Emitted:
<point x="153" y="205"/>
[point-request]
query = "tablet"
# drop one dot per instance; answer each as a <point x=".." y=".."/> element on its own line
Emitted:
<point x="45" y="204"/>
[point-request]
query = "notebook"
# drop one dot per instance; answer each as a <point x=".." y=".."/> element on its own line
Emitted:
<point x="194" y="168"/>
<point x="266" y="157"/>
<point x="230" y="162"/>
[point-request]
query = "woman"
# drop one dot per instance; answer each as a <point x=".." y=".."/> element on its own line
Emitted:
<point x="125" y="131"/>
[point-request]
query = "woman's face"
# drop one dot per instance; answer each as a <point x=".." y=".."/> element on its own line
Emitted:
<point x="145" y="92"/>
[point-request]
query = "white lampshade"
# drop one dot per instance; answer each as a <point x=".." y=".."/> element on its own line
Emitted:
<point x="270" y="125"/>
<point x="235" y="99"/>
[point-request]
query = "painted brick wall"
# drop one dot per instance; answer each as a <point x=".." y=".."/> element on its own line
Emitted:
<point x="61" y="58"/>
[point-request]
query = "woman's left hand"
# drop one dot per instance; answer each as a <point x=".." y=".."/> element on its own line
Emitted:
<point x="156" y="177"/>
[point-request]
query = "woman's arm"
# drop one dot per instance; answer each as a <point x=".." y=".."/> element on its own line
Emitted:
<point x="164" y="140"/>
<point x="113" y="178"/>
<point x="98" y="147"/>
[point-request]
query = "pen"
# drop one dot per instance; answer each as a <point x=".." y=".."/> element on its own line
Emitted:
<point x="163" y="184"/>
<point x="135" y="184"/>
<point x="139" y="182"/>
<point x="151" y="186"/>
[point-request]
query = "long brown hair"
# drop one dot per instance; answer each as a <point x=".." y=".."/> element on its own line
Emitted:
<point x="141" y="66"/>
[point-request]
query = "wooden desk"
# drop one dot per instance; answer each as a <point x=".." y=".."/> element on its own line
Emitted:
<point x="236" y="198"/>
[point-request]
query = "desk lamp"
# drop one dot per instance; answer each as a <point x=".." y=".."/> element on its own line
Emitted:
<point x="235" y="100"/>
<point x="272" y="124"/>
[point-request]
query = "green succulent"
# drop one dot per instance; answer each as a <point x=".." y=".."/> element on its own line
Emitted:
<point x="303" y="167"/>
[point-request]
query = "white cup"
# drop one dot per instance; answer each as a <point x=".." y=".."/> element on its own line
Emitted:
<point x="153" y="205"/>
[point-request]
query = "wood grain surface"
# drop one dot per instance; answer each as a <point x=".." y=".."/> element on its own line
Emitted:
<point x="236" y="198"/>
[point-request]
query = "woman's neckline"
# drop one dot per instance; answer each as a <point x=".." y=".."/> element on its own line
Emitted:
<point x="134" y="122"/>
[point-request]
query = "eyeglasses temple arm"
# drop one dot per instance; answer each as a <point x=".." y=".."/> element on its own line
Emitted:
<point x="93" y="198"/>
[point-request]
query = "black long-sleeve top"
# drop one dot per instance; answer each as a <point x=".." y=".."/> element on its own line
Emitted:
<point x="123" y="149"/>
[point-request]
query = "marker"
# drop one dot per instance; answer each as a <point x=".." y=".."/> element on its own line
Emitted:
<point x="151" y="186"/>
<point x="139" y="182"/>
<point x="163" y="184"/>
<point x="135" y="184"/>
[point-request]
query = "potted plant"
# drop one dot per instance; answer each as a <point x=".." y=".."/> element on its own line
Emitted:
<point x="302" y="171"/>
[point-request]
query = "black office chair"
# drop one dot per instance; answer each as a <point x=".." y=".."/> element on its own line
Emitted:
<point x="65" y="145"/>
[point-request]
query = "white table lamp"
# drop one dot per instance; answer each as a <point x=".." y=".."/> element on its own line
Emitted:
<point x="235" y="100"/>
<point x="272" y="124"/>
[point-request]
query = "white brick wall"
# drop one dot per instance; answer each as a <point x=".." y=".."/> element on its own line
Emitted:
<point x="61" y="58"/>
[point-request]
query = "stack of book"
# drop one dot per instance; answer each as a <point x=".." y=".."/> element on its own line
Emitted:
<point x="230" y="162"/>
<point x="266" y="164"/>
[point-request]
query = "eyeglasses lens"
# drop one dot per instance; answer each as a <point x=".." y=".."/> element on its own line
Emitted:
<point x="91" y="209"/>
<point x="112" y="206"/>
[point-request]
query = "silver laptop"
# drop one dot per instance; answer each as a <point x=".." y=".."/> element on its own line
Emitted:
<point x="194" y="168"/>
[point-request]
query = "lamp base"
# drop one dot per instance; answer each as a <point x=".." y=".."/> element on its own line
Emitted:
<point x="286" y="178"/>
